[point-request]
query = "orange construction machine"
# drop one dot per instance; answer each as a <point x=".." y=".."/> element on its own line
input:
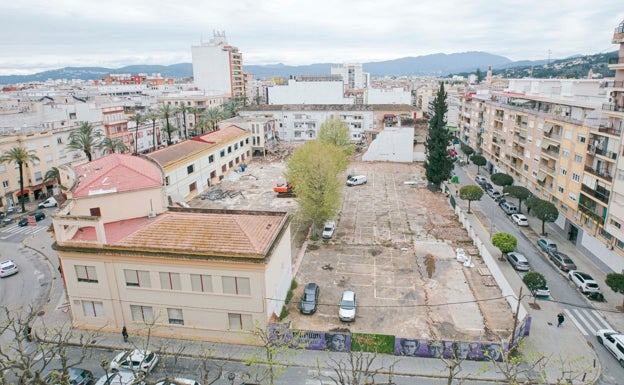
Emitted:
<point x="284" y="190"/>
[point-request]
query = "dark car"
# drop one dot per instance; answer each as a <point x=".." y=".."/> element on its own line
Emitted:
<point x="309" y="299"/>
<point x="562" y="261"/>
<point x="39" y="215"/>
<point x="77" y="376"/>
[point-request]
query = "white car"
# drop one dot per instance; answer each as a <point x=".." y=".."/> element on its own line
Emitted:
<point x="543" y="291"/>
<point x="328" y="229"/>
<point x="121" y="377"/>
<point x="8" y="268"/>
<point x="520" y="219"/>
<point x="614" y="342"/>
<point x="584" y="282"/>
<point x="346" y="308"/>
<point x="135" y="360"/>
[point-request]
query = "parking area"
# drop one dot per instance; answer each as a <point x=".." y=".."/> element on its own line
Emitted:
<point x="394" y="245"/>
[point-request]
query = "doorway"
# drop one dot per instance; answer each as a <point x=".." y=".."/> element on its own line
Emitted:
<point x="573" y="234"/>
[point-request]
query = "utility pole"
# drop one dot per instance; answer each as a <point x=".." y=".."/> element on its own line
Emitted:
<point x="515" y="324"/>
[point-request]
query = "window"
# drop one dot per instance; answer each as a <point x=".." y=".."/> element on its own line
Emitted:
<point x="560" y="189"/>
<point x="86" y="274"/>
<point x="565" y="153"/>
<point x="240" y="321"/>
<point x="95" y="212"/>
<point x="170" y="281"/>
<point x="201" y="282"/>
<point x="576" y="177"/>
<point x="166" y="181"/>
<point x="236" y="285"/>
<point x="582" y="138"/>
<point x="564" y="171"/>
<point x="137" y="278"/>
<point x="5" y="183"/>
<point x="93" y="308"/>
<point x="46" y="144"/>
<point x="222" y="153"/>
<point x="142" y="313"/>
<point x="175" y="316"/>
<point x="190" y="169"/>
<point x="38" y="176"/>
<point x="2" y="168"/>
<point x="59" y="140"/>
<point x="229" y="149"/>
<point x="211" y="159"/>
<point x="578" y="158"/>
<point x="48" y="158"/>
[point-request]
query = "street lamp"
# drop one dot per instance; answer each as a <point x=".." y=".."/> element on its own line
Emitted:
<point x="231" y="376"/>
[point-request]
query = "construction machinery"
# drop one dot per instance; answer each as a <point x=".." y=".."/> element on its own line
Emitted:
<point x="284" y="190"/>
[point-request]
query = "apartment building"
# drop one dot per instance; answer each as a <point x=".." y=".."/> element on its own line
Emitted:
<point x="196" y="103"/>
<point x="353" y="76"/>
<point x="192" y="166"/>
<point x="218" y="66"/>
<point x="563" y="149"/>
<point x="128" y="260"/>
<point x="262" y="129"/>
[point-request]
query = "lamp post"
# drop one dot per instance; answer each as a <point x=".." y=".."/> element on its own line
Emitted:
<point x="231" y="376"/>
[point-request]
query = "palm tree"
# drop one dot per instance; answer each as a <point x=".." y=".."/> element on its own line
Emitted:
<point x="85" y="139"/>
<point x="202" y="124"/>
<point x="196" y="111"/>
<point x="19" y="156"/>
<point x="138" y="119"/>
<point x="213" y="115"/>
<point x="165" y="113"/>
<point x="53" y="175"/>
<point x="230" y="108"/>
<point x="184" y="109"/>
<point x="153" y="116"/>
<point x="111" y="146"/>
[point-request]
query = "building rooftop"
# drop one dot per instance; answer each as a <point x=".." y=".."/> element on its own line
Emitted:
<point x="116" y="173"/>
<point x="173" y="153"/>
<point x="226" y="134"/>
<point x="235" y="234"/>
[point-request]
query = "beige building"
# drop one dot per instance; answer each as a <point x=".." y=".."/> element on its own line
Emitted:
<point x="129" y="260"/>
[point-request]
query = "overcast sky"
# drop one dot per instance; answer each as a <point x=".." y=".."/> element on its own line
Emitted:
<point x="37" y="35"/>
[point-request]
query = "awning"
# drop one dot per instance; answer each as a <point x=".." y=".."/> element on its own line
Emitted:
<point x="24" y="191"/>
<point x="548" y="127"/>
<point x="541" y="176"/>
<point x="548" y="143"/>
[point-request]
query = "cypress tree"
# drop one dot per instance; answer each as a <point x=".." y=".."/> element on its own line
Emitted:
<point x="439" y="164"/>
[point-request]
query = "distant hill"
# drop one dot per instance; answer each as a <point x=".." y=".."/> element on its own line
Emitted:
<point x="429" y="65"/>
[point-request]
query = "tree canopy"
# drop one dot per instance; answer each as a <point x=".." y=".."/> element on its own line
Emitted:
<point x="336" y="132"/>
<point x="439" y="164"/>
<point x="520" y="192"/>
<point x="19" y="156"/>
<point x="543" y="210"/>
<point x="470" y="193"/>
<point x="504" y="242"/>
<point x="502" y="179"/>
<point x="467" y="150"/>
<point x="165" y="112"/>
<point x="478" y="161"/>
<point x="85" y="139"/>
<point x="616" y="282"/>
<point x="534" y="281"/>
<point x="314" y="170"/>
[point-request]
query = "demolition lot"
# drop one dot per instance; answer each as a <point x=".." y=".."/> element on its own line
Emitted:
<point x="393" y="246"/>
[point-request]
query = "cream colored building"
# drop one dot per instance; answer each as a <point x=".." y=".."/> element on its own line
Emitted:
<point x="129" y="260"/>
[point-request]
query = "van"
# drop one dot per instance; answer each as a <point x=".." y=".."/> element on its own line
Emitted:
<point x="356" y="180"/>
<point x="50" y="202"/>
<point x="480" y="180"/>
<point x="509" y="208"/>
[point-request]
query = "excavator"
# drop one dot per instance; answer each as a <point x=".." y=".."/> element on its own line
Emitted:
<point x="284" y="190"/>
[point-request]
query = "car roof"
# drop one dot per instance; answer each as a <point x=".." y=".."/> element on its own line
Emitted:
<point x="311" y="286"/>
<point x="519" y="256"/>
<point x="348" y="295"/>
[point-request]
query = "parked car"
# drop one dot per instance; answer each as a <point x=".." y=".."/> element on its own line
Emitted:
<point x="347" y="306"/>
<point x="481" y="180"/>
<point x="518" y="261"/>
<point x="7" y="268"/>
<point x="614" y="342"/>
<point x="493" y="193"/>
<point x="562" y="261"/>
<point x="120" y="377"/>
<point x="50" y="202"/>
<point x="309" y="299"/>
<point x="488" y="186"/>
<point x="520" y="219"/>
<point x="76" y="376"/>
<point x="178" y="381"/>
<point x="356" y="180"/>
<point x="39" y="215"/>
<point x="509" y="208"/>
<point x="584" y="282"/>
<point x="137" y="360"/>
<point x="543" y="291"/>
<point x="547" y="245"/>
<point x="328" y="229"/>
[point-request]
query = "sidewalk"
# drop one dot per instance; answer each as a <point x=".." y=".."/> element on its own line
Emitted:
<point x="545" y="339"/>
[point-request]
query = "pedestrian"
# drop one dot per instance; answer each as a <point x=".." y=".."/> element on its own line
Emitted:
<point x="560" y="319"/>
<point x="124" y="333"/>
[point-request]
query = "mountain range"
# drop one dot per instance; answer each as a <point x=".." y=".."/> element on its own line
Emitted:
<point x="439" y="64"/>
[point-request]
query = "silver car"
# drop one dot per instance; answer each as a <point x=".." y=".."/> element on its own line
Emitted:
<point x="8" y="268"/>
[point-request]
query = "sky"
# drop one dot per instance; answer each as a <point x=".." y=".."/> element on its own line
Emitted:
<point x="39" y="35"/>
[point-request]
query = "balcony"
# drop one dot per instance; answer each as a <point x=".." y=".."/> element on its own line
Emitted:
<point x="599" y="173"/>
<point x="600" y="193"/>
<point x="616" y="60"/>
<point x="546" y="168"/>
<point x="612" y="107"/>
<point x="613" y="83"/>
<point x="607" y="154"/>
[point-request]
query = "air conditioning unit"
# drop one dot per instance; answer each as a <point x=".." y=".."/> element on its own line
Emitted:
<point x="151" y="214"/>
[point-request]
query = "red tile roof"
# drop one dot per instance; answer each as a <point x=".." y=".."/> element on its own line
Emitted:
<point x="226" y="134"/>
<point x="183" y="231"/>
<point x="178" y="151"/>
<point x="116" y="173"/>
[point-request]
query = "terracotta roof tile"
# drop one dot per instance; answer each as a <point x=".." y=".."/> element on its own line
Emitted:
<point x="178" y="151"/>
<point x="226" y="134"/>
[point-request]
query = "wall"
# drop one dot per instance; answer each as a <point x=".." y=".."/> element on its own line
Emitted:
<point x="393" y="144"/>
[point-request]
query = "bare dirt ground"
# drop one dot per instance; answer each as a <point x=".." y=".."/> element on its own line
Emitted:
<point x="394" y="245"/>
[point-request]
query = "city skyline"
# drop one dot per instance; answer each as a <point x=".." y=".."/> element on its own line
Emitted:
<point x="114" y="34"/>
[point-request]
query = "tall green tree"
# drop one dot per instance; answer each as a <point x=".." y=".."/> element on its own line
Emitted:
<point x="53" y="175"/>
<point x="111" y="146"/>
<point x="519" y="192"/>
<point x="439" y="164"/>
<point x="616" y="282"/>
<point x="231" y="107"/>
<point x="502" y="179"/>
<point x="335" y="131"/>
<point x="138" y="119"/>
<point x="184" y="109"/>
<point x="534" y="281"/>
<point x="314" y="169"/>
<point x="20" y="156"/>
<point x="85" y="139"/>
<point x="479" y="161"/>
<point x="470" y="193"/>
<point x="543" y="210"/>
<point x="505" y="243"/>
<point x="153" y="116"/>
<point x="166" y="113"/>
<point x="213" y="115"/>
<point x="196" y="111"/>
<point x="479" y="75"/>
<point x="467" y="150"/>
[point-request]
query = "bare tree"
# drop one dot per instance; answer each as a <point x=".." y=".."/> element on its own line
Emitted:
<point x="353" y="368"/>
<point x="278" y="345"/>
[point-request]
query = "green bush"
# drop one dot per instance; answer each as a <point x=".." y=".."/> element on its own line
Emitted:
<point x="284" y="313"/>
<point x="293" y="285"/>
<point x="289" y="296"/>
<point x="380" y="343"/>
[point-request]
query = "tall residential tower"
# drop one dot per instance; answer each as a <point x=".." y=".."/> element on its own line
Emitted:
<point x="218" y="66"/>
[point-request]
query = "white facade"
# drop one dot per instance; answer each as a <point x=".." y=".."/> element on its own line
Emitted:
<point x="393" y="144"/>
<point x="308" y="92"/>
<point x="388" y="96"/>
<point x="353" y="77"/>
<point x="212" y="66"/>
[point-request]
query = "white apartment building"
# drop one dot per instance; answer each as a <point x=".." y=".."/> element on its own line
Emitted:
<point x="262" y="129"/>
<point x="353" y="77"/>
<point x="218" y="66"/>
<point x="321" y="89"/>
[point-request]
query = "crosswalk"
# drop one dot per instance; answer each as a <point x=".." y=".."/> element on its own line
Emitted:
<point x="13" y="230"/>
<point x="587" y="321"/>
